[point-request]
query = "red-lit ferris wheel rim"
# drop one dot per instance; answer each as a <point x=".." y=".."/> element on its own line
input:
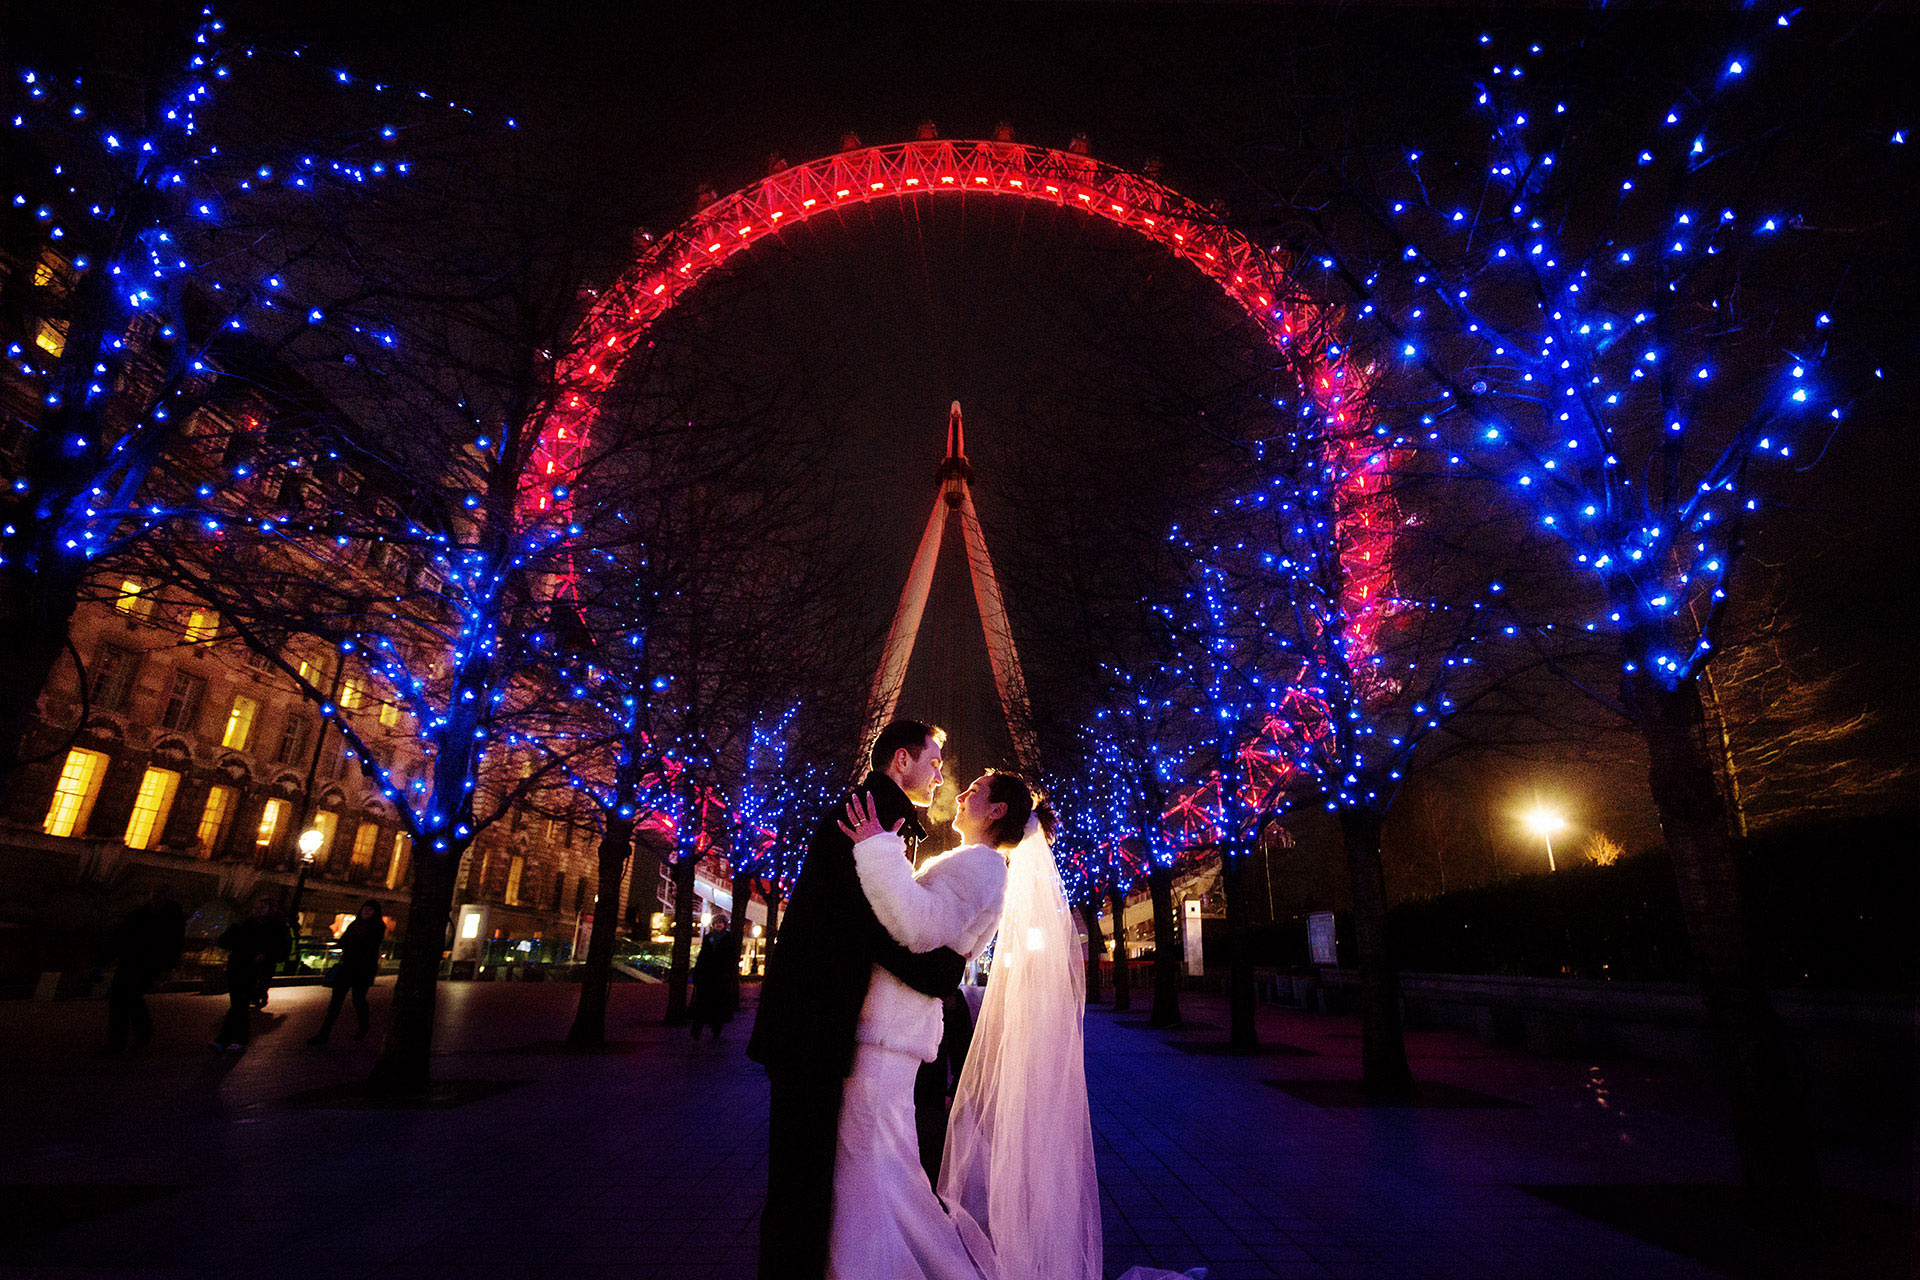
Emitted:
<point x="1259" y="281"/>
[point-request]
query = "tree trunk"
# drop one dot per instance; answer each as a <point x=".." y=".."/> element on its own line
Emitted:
<point x="742" y="890"/>
<point x="589" y="1029"/>
<point x="1242" y="1037"/>
<point x="1769" y="1128"/>
<point x="34" y="623"/>
<point x="743" y="887"/>
<point x="1122" y="979"/>
<point x="1166" y="956"/>
<point x="404" y="1062"/>
<point x="1096" y="946"/>
<point x="1384" y="1072"/>
<point x="682" y="966"/>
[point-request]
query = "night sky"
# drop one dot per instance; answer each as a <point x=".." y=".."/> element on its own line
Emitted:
<point x="1002" y="307"/>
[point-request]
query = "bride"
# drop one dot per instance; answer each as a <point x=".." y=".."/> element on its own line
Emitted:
<point x="1019" y="1198"/>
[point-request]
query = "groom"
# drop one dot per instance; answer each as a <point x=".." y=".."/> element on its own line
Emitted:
<point x="810" y="1002"/>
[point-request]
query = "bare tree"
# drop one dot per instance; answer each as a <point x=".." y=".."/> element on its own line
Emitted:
<point x="427" y="557"/>
<point x="189" y="207"/>
<point x="1621" y="320"/>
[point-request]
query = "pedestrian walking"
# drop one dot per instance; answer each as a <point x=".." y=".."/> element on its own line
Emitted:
<point x="255" y="948"/>
<point x="354" y="975"/>
<point x="145" y="945"/>
<point x="263" y="976"/>
<point x="716" y="982"/>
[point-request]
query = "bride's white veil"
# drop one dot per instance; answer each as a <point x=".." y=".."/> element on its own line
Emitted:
<point x="1019" y="1153"/>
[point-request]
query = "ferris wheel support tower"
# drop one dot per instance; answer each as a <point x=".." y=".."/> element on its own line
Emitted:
<point x="955" y="498"/>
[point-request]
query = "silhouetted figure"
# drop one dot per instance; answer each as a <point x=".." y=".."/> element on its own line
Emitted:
<point x="146" y="944"/>
<point x="359" y="965"/>
<point x="255" y="948"/>
<point x="933" y="1085"/>
<point x="716" y="983"/>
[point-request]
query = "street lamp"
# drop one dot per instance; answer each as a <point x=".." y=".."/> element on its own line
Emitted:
<point x="309" y="842"/>
<point x="1545" y="823"/>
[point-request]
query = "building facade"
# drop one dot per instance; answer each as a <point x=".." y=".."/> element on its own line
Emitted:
<point x="166" y="749"/>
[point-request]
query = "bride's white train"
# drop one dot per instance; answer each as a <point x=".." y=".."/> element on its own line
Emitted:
<point x="1020" y="1191"/>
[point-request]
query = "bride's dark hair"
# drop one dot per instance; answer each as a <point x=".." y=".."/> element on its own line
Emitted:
<point x="1011" y="790"/>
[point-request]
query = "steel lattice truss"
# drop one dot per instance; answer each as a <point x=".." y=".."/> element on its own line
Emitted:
<point x="954" y="500"/>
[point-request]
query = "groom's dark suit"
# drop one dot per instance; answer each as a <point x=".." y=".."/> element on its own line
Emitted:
<point x="804" y="1032"/>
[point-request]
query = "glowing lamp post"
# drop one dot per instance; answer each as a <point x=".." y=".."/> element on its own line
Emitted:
<point x="309" y="843"/>
<point x="1545" y="823"/>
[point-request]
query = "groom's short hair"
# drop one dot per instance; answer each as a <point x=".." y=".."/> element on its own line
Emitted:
<point x="910" y="734"/>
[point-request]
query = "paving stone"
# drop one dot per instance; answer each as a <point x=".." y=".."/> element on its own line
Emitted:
<point x="648" y="1159"/>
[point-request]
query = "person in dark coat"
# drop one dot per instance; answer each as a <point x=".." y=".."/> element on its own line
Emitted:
<point x="810" y="1000"/>
<point x="716" y="982"/>
<point x="255" y="948"/>
<point x="146" y="944"/>
<point x="354" y="974"/>
<point x="933" y="1085"/>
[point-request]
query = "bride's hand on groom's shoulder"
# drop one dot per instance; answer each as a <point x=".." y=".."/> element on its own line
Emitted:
<point x="864" y="816"/>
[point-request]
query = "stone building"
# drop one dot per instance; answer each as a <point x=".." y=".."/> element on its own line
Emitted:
<point x="167" y="749"/>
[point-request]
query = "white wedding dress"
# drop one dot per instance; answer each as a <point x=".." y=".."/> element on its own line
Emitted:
<point x="1019" y="1198"/>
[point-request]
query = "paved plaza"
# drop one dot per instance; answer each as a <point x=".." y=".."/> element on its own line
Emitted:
<point x="647" y="1160"/>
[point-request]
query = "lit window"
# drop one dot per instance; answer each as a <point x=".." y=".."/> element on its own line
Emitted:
<point x="273" y="816"/>
<point x="213" y="820"/>
<point x="132" y="598"/>
<point x="363" y="844"/>
<point x="150" y="807"/>
<point x="402" y="856"/>
<point x="389" y="715"/>
<point x="239" y="730"/>
<point x="353" y="692"/>
<point x="326" y="824"/>
<point x="309" y="672"/>
<point x="74" y="794"/>
<point x="202" y="626"/>
<point x="51" y="337"/>
<point x="54" y="273"/>
<point x="515" y="869"/>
